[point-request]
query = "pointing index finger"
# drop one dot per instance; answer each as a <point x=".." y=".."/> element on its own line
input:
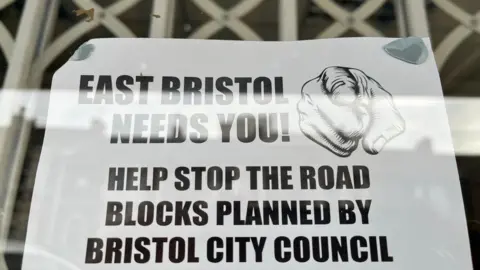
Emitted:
<point x="340" y="85"/>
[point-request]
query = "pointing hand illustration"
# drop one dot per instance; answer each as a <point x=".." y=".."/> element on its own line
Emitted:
<point x="343" y="106"/>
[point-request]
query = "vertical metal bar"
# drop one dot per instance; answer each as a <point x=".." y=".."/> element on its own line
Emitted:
<point x="400" y="17"/>
<point x="13" y="128"/>
<point x="16" y="168"/>
<point x="161" y="25"/>
<point x="416" y="18"/>
<point x="288" y="20"/>
<point x="35" y="79"/>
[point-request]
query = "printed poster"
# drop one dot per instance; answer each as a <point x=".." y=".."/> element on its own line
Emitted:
<point x="193" y="154"/>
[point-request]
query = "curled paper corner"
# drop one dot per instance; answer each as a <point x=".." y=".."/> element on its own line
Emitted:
<point x="410" y="49"/>
<point x="83" y="52"/>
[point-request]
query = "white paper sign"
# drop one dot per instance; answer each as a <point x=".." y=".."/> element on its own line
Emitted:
<point x="212" y="155"/>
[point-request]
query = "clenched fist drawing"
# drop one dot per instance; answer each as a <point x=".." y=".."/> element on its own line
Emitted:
<point x="343" y="106"/>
